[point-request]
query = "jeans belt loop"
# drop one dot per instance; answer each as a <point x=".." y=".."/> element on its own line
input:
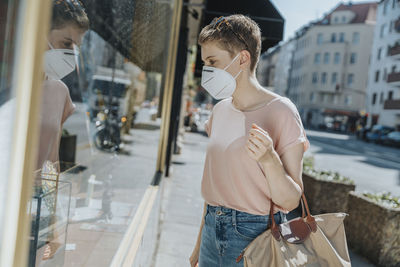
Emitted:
<point x="234" y="217"/>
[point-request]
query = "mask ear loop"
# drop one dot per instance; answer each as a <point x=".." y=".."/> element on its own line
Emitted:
<point x="48" y="42"/>
<point x="233" y="60"/>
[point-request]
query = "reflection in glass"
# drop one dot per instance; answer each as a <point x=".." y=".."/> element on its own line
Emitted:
<point x="8" y="27"/>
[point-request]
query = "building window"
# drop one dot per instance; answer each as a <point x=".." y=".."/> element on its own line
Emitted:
<point x="384" y="74"/>
<point x="393" y="68"/>
<point x="377" y="76"/>
<point x="335" y="99"/>
<point x="317" y="58"/>
<point x="374" y="99"/>
<point x="348" y="100"/>
<point x="337" y="58"/>
<point x="350" y="79"/>
<point x="314" y="77"/>
<point x="390" y="95"/>
<point x="341" y="37"/>
<point x="385" y="5"/>
<point x="312" y="97"/>
<point x="381" y="98"/>
<point x="353" y="58"/>
<point x="336" y="19"/>
<point x="344" y="19"/>
<point x="320" y="38"/>
<point x="391" y="26"/>
<point x="382" y="33"/>
<point x="323" y="78"/>
<point x="356" y="37"/>
<point x="334" y="78"/>
<point x="326" y="58"/>
<point x="379" y="53"/>
<point x="333" y="38"/>
<point x="394" y="4"/>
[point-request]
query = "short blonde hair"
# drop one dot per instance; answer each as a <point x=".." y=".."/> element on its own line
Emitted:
<point x="233" y="34"/>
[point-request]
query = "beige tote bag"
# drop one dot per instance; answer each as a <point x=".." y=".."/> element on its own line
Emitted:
<point x="305" y="241"/>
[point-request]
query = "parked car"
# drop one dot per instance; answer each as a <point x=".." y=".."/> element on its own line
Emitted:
<point x="392" y="139"/>
<point x="378" y="132"/>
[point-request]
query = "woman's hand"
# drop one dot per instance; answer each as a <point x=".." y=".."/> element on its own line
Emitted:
<point x="194" y="259"/>
<point x="259" y="146"/>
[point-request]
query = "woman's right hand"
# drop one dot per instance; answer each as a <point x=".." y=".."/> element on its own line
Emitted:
<point x="194" y="259"/>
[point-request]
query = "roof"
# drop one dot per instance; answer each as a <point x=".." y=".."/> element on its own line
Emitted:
<point x="363" y="12"/>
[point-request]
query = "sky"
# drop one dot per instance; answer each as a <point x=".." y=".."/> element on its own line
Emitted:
<point x="299" y="12"/>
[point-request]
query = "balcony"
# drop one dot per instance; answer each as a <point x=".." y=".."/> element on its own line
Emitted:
<point x="394" y="79"/>
<point x="391" y="104"/>
<point x="394" y="51"/>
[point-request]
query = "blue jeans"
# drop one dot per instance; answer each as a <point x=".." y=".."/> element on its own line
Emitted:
<point x="227" y="232"/>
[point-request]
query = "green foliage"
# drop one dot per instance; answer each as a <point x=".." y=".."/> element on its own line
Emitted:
<point x="384" y="198"/>
<point x="308" y="168"/>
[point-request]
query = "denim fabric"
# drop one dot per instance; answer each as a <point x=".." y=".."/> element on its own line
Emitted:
<point x="227" y="232"/>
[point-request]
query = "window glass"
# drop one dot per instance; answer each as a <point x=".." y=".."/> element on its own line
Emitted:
<point x="326" y="58"/>
<point x="99" y="128"/>
<point x="356" y="37"/>
<point x="8" y="44"/>
<point x="337" y="58"/>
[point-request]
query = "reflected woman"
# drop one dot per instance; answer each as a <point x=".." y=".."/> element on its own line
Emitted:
<point x="68" y="25"/>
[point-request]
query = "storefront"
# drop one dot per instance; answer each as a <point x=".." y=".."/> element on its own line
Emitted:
<point x="89" y="203"/>
<point x="90" y="103"/>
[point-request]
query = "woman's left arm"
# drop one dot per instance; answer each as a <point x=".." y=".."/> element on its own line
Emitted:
<point x="283" y="173"/>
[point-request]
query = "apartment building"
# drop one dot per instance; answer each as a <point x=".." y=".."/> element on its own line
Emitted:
<point x="329" y="73"/>
<point x="383" y="101"/>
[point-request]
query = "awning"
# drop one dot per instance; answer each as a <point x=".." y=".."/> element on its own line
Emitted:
<point x="138" y="29"/>
<point x="263" y="12"/>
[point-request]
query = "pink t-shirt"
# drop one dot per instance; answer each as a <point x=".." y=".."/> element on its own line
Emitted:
<point x="56" y="107"/>
<point x="231" y="178"/>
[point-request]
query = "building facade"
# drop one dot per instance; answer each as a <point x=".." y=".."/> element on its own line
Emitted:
<point x="328" y="79"/>
<point x="383" y="101"/>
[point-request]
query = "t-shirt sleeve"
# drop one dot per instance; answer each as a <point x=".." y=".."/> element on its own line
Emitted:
<point x="208" y="125"/>
<point x="290" y="129"/>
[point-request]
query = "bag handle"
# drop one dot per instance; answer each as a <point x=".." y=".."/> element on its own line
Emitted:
<point x="305" y="215"/>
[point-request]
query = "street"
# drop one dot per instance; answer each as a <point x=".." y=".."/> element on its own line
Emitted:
<point x="373" y="168"/>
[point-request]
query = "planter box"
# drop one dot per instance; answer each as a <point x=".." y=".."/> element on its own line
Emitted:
<point x="373" y="230"/>
<point x="326" y="196"/>
<point x="67" y="152"/>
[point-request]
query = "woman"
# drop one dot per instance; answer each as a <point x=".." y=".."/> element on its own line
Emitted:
<point x="256" y="146"/>
<point x="68" y="25"/>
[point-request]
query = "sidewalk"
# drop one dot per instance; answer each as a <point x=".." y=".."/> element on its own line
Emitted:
<point x="182" y="207"/>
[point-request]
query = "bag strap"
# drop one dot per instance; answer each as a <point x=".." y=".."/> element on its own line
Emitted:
<point x="306" y="214"/>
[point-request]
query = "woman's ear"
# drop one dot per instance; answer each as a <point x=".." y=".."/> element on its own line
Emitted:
<point x="245" y="58"/>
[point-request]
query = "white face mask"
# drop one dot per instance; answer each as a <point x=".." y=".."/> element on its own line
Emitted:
<point x="218" y="82"/>
<point x="58" y="63"/>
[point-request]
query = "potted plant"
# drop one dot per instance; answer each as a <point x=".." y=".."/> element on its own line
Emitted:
<point x="373" y="227"/>
<point x="326" y="191"/>
<point x="67" y="150"/>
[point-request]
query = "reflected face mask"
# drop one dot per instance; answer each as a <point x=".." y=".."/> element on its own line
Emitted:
<point x="58" y="63"/>
<point x="219" y="83"/>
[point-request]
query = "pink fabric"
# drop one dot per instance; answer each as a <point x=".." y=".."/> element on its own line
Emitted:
<point x="231" y="178"/>
<point x="56" y="107"/>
